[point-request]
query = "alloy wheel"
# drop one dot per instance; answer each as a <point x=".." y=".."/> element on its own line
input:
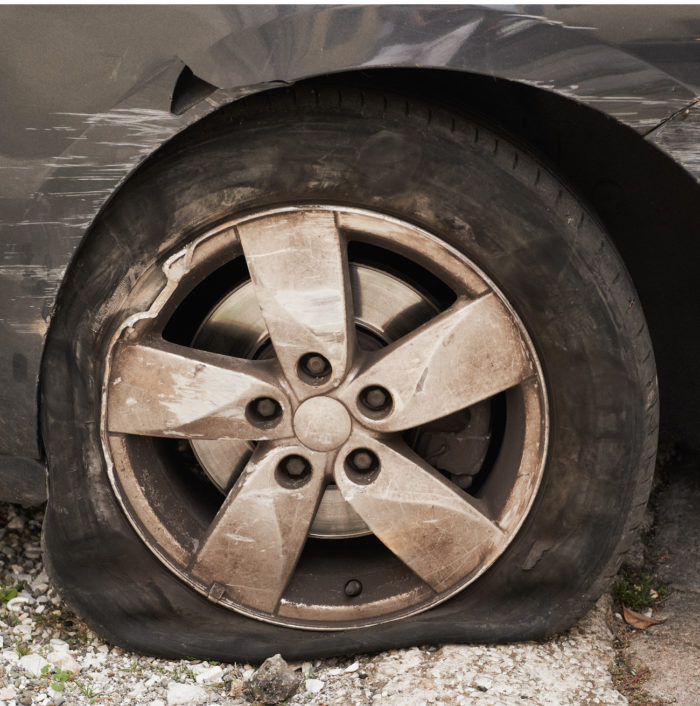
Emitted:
<point x="340" y="442"/>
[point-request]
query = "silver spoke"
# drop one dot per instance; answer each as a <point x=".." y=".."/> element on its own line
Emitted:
<point x="161" y="389"/>
<point x="468" y="353"/>
<point x="255" y="540"/>
<point x="298" y="265"/>
<point x="432" y="526"/>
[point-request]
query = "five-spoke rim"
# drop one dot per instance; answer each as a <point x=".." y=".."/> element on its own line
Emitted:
<point x="323" y="411"/>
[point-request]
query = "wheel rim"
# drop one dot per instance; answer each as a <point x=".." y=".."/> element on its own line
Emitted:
<point x="378" y="422"/>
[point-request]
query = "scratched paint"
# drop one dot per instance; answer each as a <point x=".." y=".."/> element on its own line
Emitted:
<point x="40" y="234"/>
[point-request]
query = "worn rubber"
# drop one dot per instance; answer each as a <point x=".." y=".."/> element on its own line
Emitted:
<point x="467" y="185"/>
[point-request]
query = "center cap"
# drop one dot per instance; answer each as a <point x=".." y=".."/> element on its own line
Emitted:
<point x="322" y="423"/>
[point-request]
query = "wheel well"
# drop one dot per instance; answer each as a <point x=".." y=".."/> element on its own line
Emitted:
<point x="646" y="202"/>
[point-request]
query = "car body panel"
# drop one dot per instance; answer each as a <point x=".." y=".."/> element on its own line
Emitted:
<point x="87" y="96"/>
<point x="679" y="137"/>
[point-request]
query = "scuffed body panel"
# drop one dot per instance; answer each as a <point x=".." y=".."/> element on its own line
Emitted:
<point x="46" y="211"/>
<point x="86" y="95"/>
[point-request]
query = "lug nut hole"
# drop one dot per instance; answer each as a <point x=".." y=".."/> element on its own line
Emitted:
<point x="293" y="471"/>
<point x="264" y="412"/>
<point x="314" y="369"/>
<point x="375" y="401"/>
<point x="362" y="466"/>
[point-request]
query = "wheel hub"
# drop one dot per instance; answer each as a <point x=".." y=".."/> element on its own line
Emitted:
<point x="385" y="308"/>
<point x="322" y="423"/>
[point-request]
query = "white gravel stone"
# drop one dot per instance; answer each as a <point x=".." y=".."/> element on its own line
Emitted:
<point x="40" y="582"/>
<point x="210" y="675"/>
<point x="483" y="683"/>
<point x="7" y="693"/>
<point x="9" y="657"/>
<point x="59" y="645"/>
<point x="314" y="685"/>
<point x="63" y="660"/>
<point x="15" y="523"/>
<point x="17" y="604"/>
<point x="179" y="693"/>
<point x="137" y="691"/>
<point x="32" y="664"/>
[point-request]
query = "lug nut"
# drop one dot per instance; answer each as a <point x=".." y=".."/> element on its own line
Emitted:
<point x="363" y="461"/>
<point x="316" y="365"/>
<point x="263" y="412"/>
<point x="295" y="466"/>
<point x="362" y="466"/>
<point x="266" y="407"/>
<point x="376" y="400"/>
<point x="314" y="368"/>
<point x="293" y="471"/>
<point x="353" y="588"/>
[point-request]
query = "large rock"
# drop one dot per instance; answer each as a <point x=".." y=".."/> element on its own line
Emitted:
<point x="274" y="682"/>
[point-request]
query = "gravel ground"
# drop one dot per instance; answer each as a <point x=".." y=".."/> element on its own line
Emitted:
<point x="48" y="656"/>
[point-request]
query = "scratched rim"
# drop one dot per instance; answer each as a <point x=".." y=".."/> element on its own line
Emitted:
<point x="325" y="403"/>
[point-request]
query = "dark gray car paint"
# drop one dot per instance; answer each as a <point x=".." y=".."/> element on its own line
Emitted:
<point x="86" y="96"/>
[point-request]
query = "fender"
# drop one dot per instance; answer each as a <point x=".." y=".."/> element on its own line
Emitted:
<point x="90" y="92"/>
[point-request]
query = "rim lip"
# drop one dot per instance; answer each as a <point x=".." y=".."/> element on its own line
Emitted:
<point x="172" y="281"/>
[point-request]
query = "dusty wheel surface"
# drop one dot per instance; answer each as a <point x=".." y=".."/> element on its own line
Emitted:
<point x="335" y="373"/>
